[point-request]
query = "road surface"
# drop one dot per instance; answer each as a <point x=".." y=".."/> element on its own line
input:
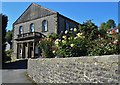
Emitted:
<point x="15" y="76"/>
<point x="15" y="72"/>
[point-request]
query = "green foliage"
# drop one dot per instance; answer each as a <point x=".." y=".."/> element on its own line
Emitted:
<point x="46" y="46"/>
<point x="73" y="43"/>
<point x="102" y="47"/>
<point x="8" y="55"/>
<point x="110" y="24"/>
<point x="89" y="29"/>
<point x="8" y="36"/>
<point x="104" y="27"/>
<point x="4" y="25"/>
<point x="53" y="36"/>
<point x="86" y="40"/>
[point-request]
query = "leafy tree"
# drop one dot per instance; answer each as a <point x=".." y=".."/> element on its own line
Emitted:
<point x="110" y="24"/>
<point x="103" y="29"/>
<point x="9" y="36"/>
<point x="4" y="25"/>
<point x="102" y="26"/>
<point x="89" y="29"/>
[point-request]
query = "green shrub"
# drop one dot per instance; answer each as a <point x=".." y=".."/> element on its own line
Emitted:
<point x="46" y="46"/>
<point x="83" y="41"/>
<point x="103" y="47"/>
<point x="74" y="44"/>
<point x="8" y="55"/>
<point x="71" y="44"/>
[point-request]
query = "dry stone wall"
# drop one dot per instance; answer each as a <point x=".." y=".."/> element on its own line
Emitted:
<point x="93" y="69"/>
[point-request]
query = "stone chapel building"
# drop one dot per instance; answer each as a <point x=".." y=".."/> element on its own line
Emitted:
<point x="36" y="22"/>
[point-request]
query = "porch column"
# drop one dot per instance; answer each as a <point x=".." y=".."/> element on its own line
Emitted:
<point x="33" y="49"/>
<point x="22" y="50"/>
<point x="26" y="49"/>
<point x="28" y="44"/>
<point x="17" y="50"/>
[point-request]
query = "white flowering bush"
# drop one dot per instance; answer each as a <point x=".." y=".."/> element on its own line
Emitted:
<point x="72" y="43"/>
<point x="83" y="41"/>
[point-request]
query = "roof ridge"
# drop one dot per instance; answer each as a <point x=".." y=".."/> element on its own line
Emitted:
<point x="44" y="7"/>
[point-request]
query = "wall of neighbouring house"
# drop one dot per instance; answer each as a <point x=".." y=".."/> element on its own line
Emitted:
<point x="99" y="69"/>
<point x="8" y="47"/>
<point x="52" y="28"/>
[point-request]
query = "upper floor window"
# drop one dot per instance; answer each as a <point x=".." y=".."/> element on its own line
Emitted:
<point x="21" y="30"/>
<point x="44" y="26"/>
<point x="67" y="26"/>
<point x="32" y="27"/>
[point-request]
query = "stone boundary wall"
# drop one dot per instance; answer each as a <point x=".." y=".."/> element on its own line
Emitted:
<point x="92" y="69"/>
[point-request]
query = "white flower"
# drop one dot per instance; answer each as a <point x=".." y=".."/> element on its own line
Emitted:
<point x="53" y="51"/>
<point x="116" y="40"/>
<point x="79" y="34"/>
<point x="63" y="41"/>
<point x="75" y="37"/>
<point x="71" y="29"/>
<point x="64" y="37"/>
<point x="57" y="40"/>
<point x="72" y="45"/>
<point x="56" y="43"/>
<point x="66" y="32"/>
<point x="69" y="38"/>
<point x="75" y="29"/>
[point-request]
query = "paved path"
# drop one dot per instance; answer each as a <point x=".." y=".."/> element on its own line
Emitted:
<point x="15" y="76"/>
<point x="15" y="72"/>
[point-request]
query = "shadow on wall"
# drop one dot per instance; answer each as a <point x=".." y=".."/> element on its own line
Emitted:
<point x="21" y="64"/>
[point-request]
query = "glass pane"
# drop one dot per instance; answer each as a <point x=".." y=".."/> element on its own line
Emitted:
<point x="44" y="25"/>
<point x="21" y="30"/>
<point x="32" y="27"/>
<point x="67" y="26"/>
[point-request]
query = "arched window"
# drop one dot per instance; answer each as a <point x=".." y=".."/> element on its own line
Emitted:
<point x="67" y="26"/>
<point x="32" y="27"/>
<point x="21" y="30"/>
<point x="44" y="26"/>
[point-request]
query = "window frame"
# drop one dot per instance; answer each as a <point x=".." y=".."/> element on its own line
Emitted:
<point x="67" y="26"/>
<point x="32" y="27"/>
<point x="44" y="26"/>
<point x="21" y="30"/>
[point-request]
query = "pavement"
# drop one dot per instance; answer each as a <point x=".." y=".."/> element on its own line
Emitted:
<point x="15" y="76"/>
<point x="15" y="72"/>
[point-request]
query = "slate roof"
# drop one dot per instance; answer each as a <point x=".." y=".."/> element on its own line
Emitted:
<point x="34" y="11"/>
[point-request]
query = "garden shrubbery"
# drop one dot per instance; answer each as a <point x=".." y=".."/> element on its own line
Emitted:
<point x="8" y="55"/>
<point x="46" y="47"/>
<point x="83" y="41"/>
